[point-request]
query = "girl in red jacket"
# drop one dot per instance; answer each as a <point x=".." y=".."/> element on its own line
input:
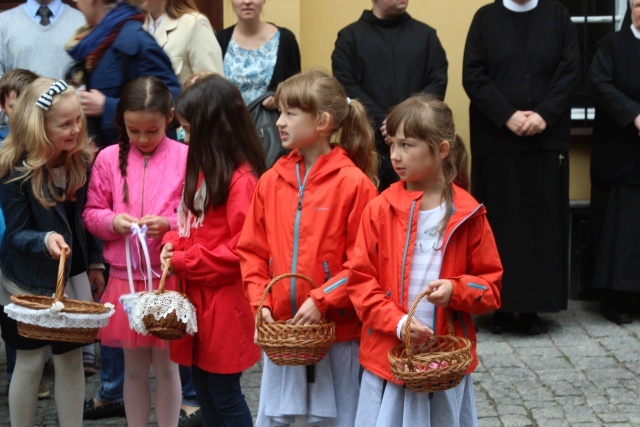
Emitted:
<point x="224" y="161"/>
<point x="422" y="232"/>
<point x="304" y="218"/>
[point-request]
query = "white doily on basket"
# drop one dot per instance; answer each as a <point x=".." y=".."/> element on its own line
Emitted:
<point x="160" y="305"/>
<point x="47" y="319"/>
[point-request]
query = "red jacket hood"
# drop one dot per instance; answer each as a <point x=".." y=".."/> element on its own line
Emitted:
<point x="325" y="165"/>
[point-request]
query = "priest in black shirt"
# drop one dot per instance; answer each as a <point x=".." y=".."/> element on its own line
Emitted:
<point x="385" y="57"/>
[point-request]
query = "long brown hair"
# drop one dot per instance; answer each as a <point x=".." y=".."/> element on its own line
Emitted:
<point x="426" y="118"/>
<point x="147" y="93"/>
<point x="27" y="149"/>
<point x="223" y="137"/>
<point x="317" y="92"/>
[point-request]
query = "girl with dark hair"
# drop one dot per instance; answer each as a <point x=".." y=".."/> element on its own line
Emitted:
<point x="304" y="219"/>
<point x="138" y="181"/>
<point x="223" y="165"/>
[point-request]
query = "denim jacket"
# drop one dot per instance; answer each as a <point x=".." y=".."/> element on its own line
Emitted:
<point x="23" y="255"/>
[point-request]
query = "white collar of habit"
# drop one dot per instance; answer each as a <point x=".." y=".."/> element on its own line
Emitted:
<point x="517" y="7"/>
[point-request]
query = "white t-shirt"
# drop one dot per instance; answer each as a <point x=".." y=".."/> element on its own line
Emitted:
<point x="425" y="264"/>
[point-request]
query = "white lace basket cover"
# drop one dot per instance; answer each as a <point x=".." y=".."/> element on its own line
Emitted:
<point x="139" y="304"/>
<point x="56" y="318"/>
<point x="160" y="304"/>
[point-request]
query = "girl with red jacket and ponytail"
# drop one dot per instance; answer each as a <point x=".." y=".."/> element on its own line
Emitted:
<point x="303" y="219"/>
<point x="422" y="232"/>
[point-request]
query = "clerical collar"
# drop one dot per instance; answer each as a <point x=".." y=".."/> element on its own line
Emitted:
<point x="517" y="7"/>
<point x="635" y="31"/>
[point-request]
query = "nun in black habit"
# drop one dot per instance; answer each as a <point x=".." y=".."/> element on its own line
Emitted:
<point x="614" y="86"/>
<point x="521" y="69"/>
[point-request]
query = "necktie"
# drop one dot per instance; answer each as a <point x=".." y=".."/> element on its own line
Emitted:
<point x="44" y="13"/>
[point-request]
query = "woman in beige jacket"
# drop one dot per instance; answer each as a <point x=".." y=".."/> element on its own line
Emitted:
<point x="186" y="36"/>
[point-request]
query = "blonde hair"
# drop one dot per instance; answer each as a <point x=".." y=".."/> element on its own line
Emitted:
<point x="426" y="118"/>
<point x="316" y="92"/>
<point x="27" y="150"/>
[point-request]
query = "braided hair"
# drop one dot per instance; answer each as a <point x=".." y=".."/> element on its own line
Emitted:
<point x="146" y="93"/>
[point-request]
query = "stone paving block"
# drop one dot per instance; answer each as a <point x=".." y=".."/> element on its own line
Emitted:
<point x="530" y="342"/>
<point x="563" y="374"/>
<point x="497" y="347"/>
<point x="510" y="409"/>
<point x="517" y="421"/>
<point x="549" y="411"/>
<point x="579" y="413"/>
<point x="496" y="362"/>
<point x="615" y="417"/>
<point x="551" y="422"/>
<point x="489" y="422"/>
<point x="574" y="335"/>
<point x="541" y="364"/>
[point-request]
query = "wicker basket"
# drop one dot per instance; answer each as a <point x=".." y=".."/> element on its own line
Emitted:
<point x="69" y="328"/>
<point x="168" y="326"/>
<point x="294" y="345"/>
<point x="436" y="365"/>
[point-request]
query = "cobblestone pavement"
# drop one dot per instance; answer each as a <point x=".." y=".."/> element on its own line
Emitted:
<point x="584" y="371"/>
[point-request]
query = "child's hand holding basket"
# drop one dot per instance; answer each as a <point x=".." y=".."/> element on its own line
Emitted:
<point x="438" y="364"/>
<point x="288" y="345"/>
<point x="58" y="318"/>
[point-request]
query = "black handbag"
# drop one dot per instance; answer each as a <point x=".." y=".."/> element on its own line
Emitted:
<point x="265" y="122"/>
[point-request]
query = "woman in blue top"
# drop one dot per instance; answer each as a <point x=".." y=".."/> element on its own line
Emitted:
<point x="257" y="55"/>
<point x="111" y="50"/>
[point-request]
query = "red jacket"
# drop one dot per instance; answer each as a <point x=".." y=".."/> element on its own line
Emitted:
<point x="208" y="262"/>
<point x="306" y="225"/>
<point x="379" y="276"/>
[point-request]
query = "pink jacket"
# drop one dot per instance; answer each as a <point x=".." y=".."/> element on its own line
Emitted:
<point x="155" y="188"/>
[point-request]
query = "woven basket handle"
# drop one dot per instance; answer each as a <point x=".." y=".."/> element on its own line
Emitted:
<point x="165" y="273"/>
<point x="60" y="280"/>
<point x="407" y="325"/>
<point x="276" y="280"/>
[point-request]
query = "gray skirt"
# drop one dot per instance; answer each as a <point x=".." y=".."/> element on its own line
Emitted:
<point x="385" y="404"/>
<point x="286" y="398"/>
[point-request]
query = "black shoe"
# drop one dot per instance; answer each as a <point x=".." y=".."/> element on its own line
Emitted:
<point x="530" y="323"/>
<point x="194" y="419"/>
<point x="108" y="410"/>
<point x="615" y="314"/>
<point x="501" y="322"/>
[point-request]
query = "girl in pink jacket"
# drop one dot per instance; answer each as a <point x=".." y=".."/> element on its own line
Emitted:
<point x="138" y="181"/>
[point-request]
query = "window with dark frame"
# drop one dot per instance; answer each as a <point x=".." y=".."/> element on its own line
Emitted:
<point x="593" y="19"/>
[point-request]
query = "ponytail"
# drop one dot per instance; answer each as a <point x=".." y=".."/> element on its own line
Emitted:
<point x="357" y="138"/>
<point x="461" y="161"/>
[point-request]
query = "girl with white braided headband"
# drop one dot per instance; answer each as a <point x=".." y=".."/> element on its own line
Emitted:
<point x="43" y="166"/>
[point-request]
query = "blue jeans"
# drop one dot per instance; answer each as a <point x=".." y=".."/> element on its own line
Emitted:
<point x="188" y="390"/>
<point x="11" y="360"/>
<point x="111" y="375"/>
<point x="221" y="400"/>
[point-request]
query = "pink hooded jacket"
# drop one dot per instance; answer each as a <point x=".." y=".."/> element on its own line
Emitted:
<point x="155" y="188"/>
